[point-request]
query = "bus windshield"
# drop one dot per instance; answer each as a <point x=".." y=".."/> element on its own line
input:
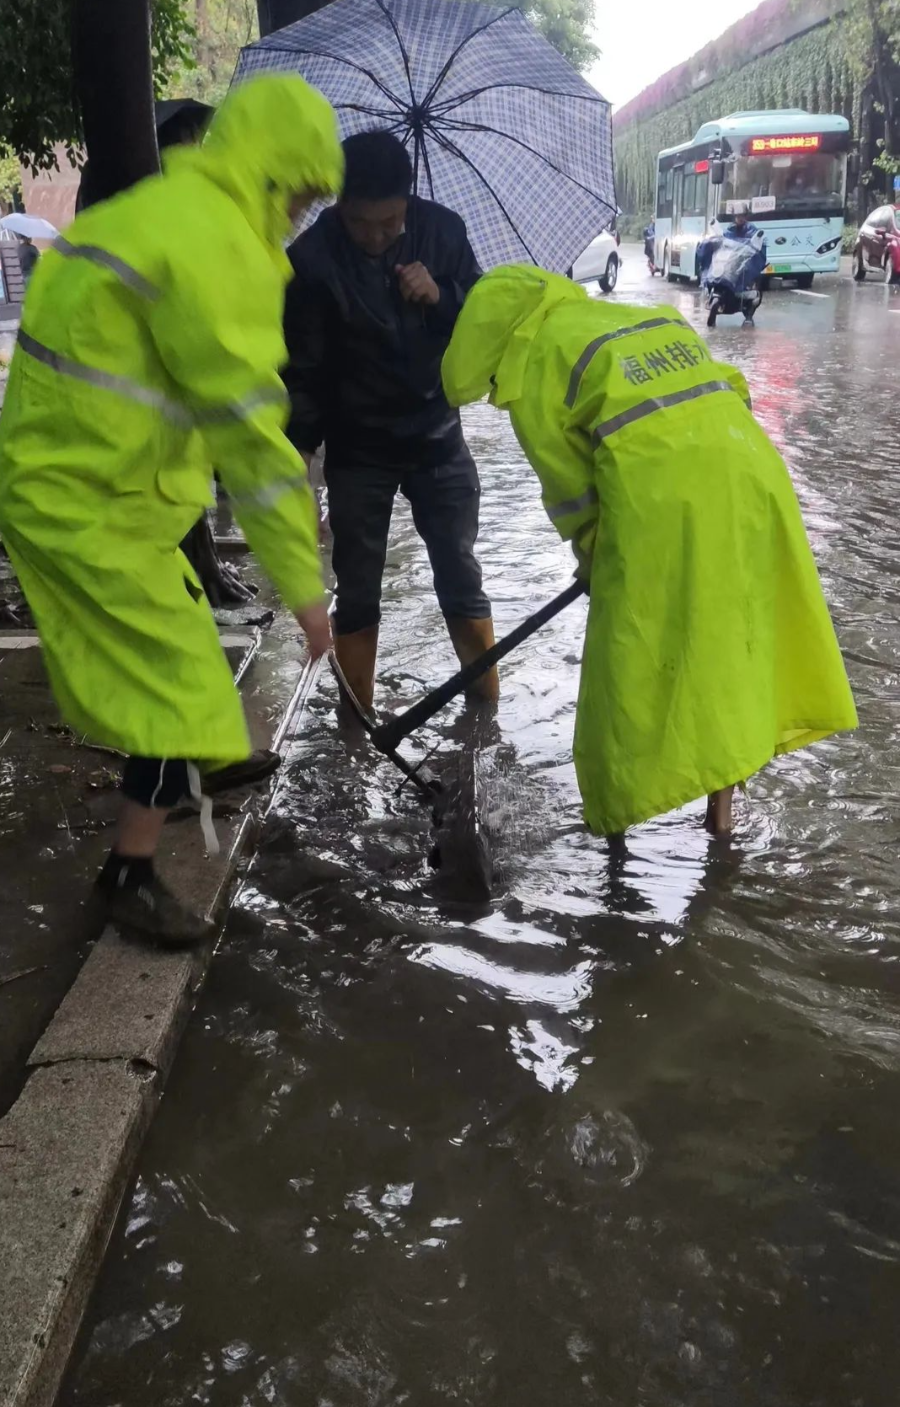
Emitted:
<point x="785" y="183"/>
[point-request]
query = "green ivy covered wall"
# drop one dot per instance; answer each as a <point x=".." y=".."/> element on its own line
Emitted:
<point x="810" y="72"/>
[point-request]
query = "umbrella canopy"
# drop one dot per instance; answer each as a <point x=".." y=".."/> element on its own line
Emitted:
<point x="180" y="120"/>
<point x="501" y="128"/>
<point x="32" y="226"/>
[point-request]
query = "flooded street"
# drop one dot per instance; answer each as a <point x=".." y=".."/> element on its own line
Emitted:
<point x="628" y="1134"/>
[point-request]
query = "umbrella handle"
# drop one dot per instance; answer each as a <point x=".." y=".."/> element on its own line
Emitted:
<point x="413" y="231"/>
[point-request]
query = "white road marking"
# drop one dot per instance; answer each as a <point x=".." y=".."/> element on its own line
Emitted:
<point x="808" y="293"/>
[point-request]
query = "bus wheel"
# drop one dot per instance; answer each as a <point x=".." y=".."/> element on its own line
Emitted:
<point x="804" y="280"/>
<point x="666" y="271"/>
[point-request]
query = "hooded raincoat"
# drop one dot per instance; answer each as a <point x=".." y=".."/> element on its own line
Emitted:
<point x="149" y="355"/>
<point x="709" y="645"/>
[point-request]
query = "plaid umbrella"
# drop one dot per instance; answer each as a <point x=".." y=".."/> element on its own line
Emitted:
<point x="501" y="128"/>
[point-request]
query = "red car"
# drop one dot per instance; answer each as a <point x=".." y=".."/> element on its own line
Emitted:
<point x="878" y="244"/>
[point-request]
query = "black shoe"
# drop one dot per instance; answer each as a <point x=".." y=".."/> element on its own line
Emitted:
<point x="152" y="910"/>
<point x="258" y="767"/>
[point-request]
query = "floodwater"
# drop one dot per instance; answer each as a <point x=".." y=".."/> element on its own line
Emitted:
<point x="625" y="1137"/>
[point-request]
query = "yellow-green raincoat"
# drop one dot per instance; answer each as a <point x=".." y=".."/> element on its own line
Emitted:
<point x="148" y="355"/>
<point x="709" y="645"/>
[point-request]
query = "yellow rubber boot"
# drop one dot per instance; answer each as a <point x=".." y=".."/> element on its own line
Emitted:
<point x="356" y="654"/>
<point x="470" y="639"/>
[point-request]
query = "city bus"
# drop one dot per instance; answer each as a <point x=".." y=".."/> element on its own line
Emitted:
<point x="786" y="169"/>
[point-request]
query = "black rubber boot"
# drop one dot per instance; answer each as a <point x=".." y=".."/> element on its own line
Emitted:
<point x="152" y="911"/>
<point x="258" y="767"/>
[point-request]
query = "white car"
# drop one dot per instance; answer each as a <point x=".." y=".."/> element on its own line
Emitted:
<point x="599" y="261"/>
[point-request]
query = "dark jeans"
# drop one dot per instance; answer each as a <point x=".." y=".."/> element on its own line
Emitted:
<point x="444" y="502"/>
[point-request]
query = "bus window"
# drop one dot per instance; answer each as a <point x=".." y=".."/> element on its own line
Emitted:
<point x="700" y="193"/>
<point x="678" y="199"/>
<point x="687" y="199"/>
<point x="799" y="181"/>
<point x="670" y="184"/>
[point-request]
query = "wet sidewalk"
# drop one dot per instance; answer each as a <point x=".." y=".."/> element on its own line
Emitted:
<point x="89" y="1022"/>
<point x="58" y="801"/>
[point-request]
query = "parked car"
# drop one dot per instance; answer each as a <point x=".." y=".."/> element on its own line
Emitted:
<point x="600" y="261"/>
<point x="878" y="244"/>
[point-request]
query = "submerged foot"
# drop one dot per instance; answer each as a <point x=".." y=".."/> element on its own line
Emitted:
<point x="719" y="818"/>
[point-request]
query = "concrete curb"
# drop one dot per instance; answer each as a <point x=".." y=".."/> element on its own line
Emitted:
<point x="69" y="1145"/>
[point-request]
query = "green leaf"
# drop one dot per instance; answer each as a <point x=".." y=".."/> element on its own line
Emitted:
<point x="37" y="103"/>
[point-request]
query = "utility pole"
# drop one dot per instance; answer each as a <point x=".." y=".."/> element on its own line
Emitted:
<point x="275" y="14"/>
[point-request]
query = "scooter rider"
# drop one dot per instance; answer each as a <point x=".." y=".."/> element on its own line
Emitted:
<point x="650" y="246"/>
<point x="736" y="286"/>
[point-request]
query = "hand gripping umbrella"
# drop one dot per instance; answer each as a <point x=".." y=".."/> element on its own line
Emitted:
<point x="500" y="127"/>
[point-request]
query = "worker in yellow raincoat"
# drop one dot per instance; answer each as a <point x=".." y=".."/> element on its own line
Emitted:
<point x="709" y="645"/>
<point x="148" y="355"/>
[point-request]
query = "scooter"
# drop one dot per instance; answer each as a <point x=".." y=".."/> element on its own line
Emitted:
<point x="732" y="272"/>
<point x="650" y="254"/>
<point x="722" y="297"/>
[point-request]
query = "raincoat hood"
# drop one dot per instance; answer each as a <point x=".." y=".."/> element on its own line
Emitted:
<point x="272" y="137"/>
<point x="502" y="315"/>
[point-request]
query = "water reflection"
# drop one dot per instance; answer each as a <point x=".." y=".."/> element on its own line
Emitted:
<point x="626" y="1134"/>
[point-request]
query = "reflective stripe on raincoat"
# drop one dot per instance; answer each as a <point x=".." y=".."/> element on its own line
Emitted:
<point x="709" y="645"/>
<point x="148" y="357"/>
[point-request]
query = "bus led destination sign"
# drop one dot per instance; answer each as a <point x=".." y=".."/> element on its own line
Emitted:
<point x="761" y="146"/>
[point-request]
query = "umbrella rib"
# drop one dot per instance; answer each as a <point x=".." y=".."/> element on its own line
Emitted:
<point x="403" y="53"/>
<point x="440" y="109"/>
<point x="397" y="127"/>
<point x="362" y="107"/>
<point x="339" y="59"/>
<point x="482" y="28"/>
<point x="450" y="146"/>
<point x="498" y="132"/>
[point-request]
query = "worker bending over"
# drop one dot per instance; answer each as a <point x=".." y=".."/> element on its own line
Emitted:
<point x="143" y="362"/>
<point x="709" y="645"/>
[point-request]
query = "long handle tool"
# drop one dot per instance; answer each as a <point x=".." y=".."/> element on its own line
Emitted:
<point x="387" y="736"/>
<point x="429" y="786"/>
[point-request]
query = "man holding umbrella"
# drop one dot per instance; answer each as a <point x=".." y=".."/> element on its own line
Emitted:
<point x="514" y="150"/>
<point x="379" y="281"/>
